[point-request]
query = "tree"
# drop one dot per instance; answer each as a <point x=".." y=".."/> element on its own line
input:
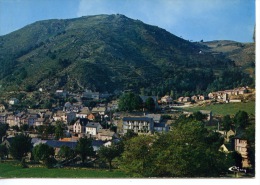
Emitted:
<point x="20" y="146"/>
<point x="129" y="102"/>
<point x="227" y="122"/>
<point x="109" y="153"/>
<point x="149" y="104"/>
<point x="59" y="130"/>
<point x="198" y="116"/>
<point x="189" y="150"/>
<point x="3" y="129"/>
<point x="3" y="151"/>
<point x="84" y="148"/>
<point x="25" y="127"/>
<point x="66" y="152"/>
<point x="241" y="120"/>
<point x="42" y="152"/>
<point x="136" y="158"/>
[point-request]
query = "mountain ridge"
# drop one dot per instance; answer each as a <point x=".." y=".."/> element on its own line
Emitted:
<point x="104" y="53"/>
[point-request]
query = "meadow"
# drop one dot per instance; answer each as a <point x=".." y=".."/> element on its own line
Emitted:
<point x="226" y="108"/>
<point x="11" y="170"/>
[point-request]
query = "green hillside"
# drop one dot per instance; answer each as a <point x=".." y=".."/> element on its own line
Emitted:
<point x="110" y="53"/>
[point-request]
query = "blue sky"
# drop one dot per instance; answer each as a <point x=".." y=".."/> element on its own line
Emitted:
<point x="190" y="19"/>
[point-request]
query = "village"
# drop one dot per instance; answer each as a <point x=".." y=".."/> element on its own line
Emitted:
<point x="105" y="124"/>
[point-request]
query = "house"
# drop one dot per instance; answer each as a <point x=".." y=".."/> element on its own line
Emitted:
<point x="226" y="148"/>
<point x="202" y="98"/>
<point x="39" y="121"/>
<point x="166" y="99"/>
<point x="96" y="144"/>
<point x="99" y="110"/>
<point x="142" y="125"/>
<point x="67" y="106"/>
<point x="194" y="98"/>
<point x="106" y="134"/>
<point x="13" y="101"/>
<point x="186" y="99"/>
<point x="113" y="105"/>
<point x="161" y="127"/>
<point x="32" y="118"/>
<point x="90" y="95"/>
<point x="91" y="117"/>
<point x="80" y="126"/>
<point x="242" y="90"/>
<point x="225" y="97"/>
<point x="61" y="93"/>
<point x="59" y="116"/>
<point x="11" y="120"/>
<point x="92" y="128"/>
<point x="228" y="134"/>
<point x="180" y="99"/>
<point x="83" y="113"/>
<point x="241" y="146"/>
<point x="7" y="141"/>
<point x="3" y="117"/>
<point x="212" y="95"/>
<point x="157" y="118"/>
<point x="69" y="117"/>
<point x="2" y="108"/>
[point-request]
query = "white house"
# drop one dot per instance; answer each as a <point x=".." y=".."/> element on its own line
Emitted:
<point x="92" y="128"/>
<point x="80" y="126"/>
<point x="13" y="101"/>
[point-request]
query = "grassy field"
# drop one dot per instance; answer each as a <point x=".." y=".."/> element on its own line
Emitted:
<point x="8" y="170"/>
<point x="225" y="109"/>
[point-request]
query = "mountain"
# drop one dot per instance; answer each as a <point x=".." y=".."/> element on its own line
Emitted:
<point x="110" y="53"/>
<point x="243" y="54"/>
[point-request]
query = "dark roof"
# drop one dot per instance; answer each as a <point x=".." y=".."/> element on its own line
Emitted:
<point x="71" y="144"/>
<point x="137" y="119"/>
<point x="229" y="146"/>
<point x="83" y="121"/>
<point x="159" y="124"/>
<point x="97" y="143"/>
<point x="58" y="144"/>
<point x="92" y="124"/>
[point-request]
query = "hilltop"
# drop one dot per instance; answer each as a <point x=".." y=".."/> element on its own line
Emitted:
<point x="243" y="54"/>
<point x="110" y="53"/>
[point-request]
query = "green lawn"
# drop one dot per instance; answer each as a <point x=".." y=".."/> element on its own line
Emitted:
<point x="225" y="109"/>
<point x="8" y="170"/>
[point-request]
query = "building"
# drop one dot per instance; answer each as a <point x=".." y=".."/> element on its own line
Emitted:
<point x="161" y="127"/>
<point x="166" y="99"/>
<point x="241" y="146"/>
<point x="143" y="125"/>
<point x="79" y="126"/>
<point x="2" y="108"/>
<point x="92" y="128"/>
<point x="157" y="118"/>
<point x="106" y="135"/>
<point x="13" y="101"/>
<point x="3" y="117"/>
<point x="90" y="95"/>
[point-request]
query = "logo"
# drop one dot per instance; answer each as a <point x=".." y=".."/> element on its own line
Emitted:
<point x="236" y="169"/>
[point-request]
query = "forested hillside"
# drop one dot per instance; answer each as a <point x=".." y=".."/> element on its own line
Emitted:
<point x="110" y="53"/>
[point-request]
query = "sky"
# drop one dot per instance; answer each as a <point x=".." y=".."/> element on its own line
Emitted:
<point x="192" y="20"/>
